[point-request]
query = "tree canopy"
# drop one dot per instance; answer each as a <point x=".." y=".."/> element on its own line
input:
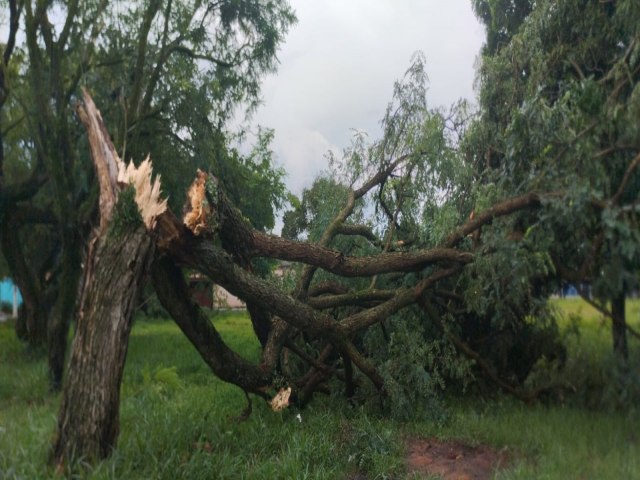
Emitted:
<point x="558" y="103"/>
<point x="169" y="76"/>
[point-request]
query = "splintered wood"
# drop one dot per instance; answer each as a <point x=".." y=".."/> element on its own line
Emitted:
<point x="197" y="207"/>
<point x="147" y="191"/>
<point x="281" y="400"/>
<point x="113" y="174"/>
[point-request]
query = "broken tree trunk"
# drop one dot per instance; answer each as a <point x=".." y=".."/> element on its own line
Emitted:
<point x="119" y="256"/>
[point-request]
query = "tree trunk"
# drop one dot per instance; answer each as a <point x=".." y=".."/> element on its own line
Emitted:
<point x="58" y="325"/>
<point x="88" y="420"/>
<point x="119" y="256"/>
<point x="31" y="325"/>
<point x="619" y="328"/>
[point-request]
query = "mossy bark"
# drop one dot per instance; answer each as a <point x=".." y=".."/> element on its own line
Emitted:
<point x="119" y="256"/>
<point x="88" y="423"/>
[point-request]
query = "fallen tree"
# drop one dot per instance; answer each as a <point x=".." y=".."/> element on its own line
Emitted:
<point x="321" y="324"/>
<point x="385" y="248"/>
<point x="213" y="237"/>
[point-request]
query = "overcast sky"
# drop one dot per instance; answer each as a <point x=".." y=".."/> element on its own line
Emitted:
<point x="338" y="65"/>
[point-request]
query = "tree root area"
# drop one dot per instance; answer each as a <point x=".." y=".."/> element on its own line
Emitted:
<point x="453" y="460"/>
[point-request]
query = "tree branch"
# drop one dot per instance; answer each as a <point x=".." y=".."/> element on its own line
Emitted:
<point x="358" y="230"/>
<point x="168" y="282"/>
<point x="400" y="300"/>
<point x="505" y="207"/>
<point x="625" y="179"/>
<point x="335" y="262"/>
<point x="14" y="25"/>
<point x="361" y="298"/>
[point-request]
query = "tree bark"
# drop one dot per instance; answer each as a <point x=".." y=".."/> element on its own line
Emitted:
<point x="619" y="328"/>
<point x="63" y="312"/>
<point x="119" y="256"/>
<point x="88" y="422"/>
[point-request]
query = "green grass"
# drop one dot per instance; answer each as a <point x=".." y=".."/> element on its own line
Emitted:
<point x="178" y="421"/>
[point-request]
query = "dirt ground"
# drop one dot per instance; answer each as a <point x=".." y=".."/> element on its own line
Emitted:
<point x="452" y="460"/>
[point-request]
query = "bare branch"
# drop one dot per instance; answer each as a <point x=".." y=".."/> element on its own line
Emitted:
<point x="72" y="12"/>
<point x="327" y="287"/>
<point x="362" y="298"/>
<point x="200" y="56"/>
<point x="347" y="266"/>
<point x="505" y="207"/>
<point x="360" y="230"/>
<point x="14" y="24"/>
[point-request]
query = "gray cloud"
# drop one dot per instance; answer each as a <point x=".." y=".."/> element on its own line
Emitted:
<point x="339" y="63"/>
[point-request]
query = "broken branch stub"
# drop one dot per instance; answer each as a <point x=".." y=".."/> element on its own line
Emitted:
<point x="201" y="210"/>
<point x="281" y="400"/>
<point x="197" y="208"/>
<point x="104" y="156"/>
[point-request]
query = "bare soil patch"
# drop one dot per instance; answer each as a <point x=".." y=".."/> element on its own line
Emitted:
<point x="453" y="460"/>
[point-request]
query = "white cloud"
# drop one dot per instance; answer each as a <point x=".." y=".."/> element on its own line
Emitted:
<point x="339" y="63"/>
<point x="303" y="152"/>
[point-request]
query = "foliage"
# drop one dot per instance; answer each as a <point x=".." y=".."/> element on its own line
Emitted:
<point x="499" y="307"/>
<point x="174" y="98"/>
<point x="501" y="18"/>
<point x="168" y="77"/>
<point x="557" y="102"/>
<point x="313" y="213"/>
<point x="558" y="87"/>
<point x="253" y="182"/>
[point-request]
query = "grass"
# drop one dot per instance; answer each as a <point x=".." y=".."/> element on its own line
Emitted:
<point x="178" y="421"/>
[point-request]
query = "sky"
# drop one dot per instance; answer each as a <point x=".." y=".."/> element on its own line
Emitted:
<point x="338" y="65"/>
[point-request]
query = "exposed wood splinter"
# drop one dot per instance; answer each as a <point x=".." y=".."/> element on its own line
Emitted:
<point x="148" y="194"/>
<point x="197" y="208"/>
<point x="113" y="174"/>
<point x="281" y="400"/>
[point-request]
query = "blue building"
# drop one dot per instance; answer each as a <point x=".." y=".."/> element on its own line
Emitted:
<point x="6" y="293"/>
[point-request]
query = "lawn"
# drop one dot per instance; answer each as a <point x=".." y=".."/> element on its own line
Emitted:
<point x="178" y="421"/>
